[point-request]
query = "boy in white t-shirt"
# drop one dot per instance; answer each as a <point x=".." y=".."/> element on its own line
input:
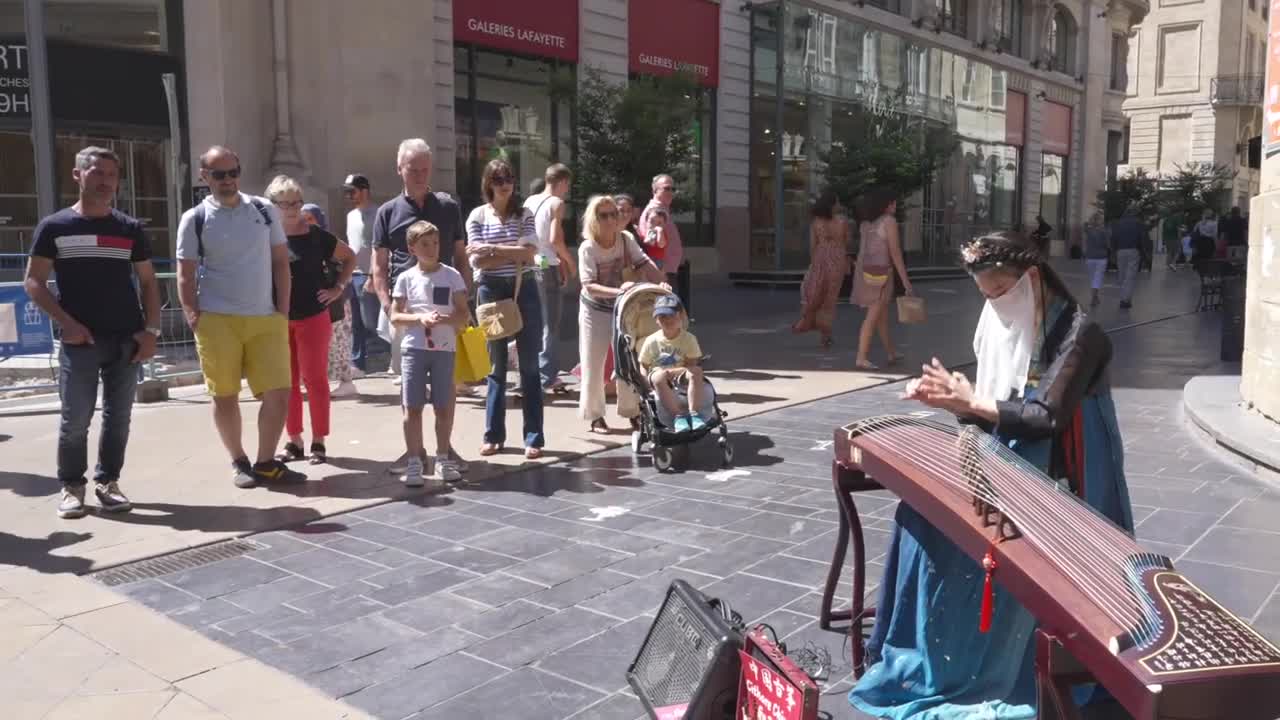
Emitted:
<point x="429" y="303"/>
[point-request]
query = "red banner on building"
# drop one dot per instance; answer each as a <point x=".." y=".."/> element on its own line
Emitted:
<point x="545" y="28"/>
<point x="1015" y="118"/>
<point x="1056" y="123"/>
<point x="666" y="36"/>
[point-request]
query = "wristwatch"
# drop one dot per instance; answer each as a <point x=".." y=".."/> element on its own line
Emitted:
<point x="155" y="331"/>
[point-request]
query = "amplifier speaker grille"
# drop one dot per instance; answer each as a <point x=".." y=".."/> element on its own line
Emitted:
<point x="688" y="659"/>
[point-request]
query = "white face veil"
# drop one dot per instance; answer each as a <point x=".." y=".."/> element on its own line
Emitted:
<point x="1005" y="341"/>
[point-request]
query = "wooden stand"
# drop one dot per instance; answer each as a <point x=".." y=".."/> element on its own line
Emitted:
<point x="846" y="482"/>
<point x="1056" y="672"/>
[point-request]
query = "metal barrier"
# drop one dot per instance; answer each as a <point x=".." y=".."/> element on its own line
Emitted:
<point x="176" y="349"/>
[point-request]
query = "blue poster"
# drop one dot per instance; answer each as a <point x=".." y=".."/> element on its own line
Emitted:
<point x="24" y="328"/>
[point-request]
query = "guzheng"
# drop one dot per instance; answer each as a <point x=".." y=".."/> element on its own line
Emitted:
<point x="1108" y="610"/>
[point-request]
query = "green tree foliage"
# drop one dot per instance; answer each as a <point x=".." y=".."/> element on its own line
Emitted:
<point x="627" y="133"/>
<point x="1138" y="189"/>
<point x="890" y="151"/>
<point x="1192" y="188"/>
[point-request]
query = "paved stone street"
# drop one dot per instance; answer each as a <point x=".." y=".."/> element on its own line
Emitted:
<point x="535" y="587"/>
<point x="540" y="585"/>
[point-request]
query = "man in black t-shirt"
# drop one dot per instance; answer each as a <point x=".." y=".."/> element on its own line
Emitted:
<point x="95" y="251"/>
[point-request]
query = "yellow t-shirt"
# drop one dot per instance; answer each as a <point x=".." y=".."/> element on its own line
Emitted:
<point x="659" y="351"/>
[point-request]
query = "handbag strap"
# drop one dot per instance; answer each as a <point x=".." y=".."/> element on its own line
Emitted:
<point x="519" y="279"/>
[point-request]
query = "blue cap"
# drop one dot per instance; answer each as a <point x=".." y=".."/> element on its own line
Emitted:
<point x="318" y="214"/>
<point x="666" y="305"/>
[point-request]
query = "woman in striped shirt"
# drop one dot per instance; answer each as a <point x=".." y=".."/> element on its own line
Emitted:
<point x="501" y="241"/>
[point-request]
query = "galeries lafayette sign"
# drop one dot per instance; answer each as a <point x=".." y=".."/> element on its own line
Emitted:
<point x="545" y="28"/>
<point x="669" y="36"/>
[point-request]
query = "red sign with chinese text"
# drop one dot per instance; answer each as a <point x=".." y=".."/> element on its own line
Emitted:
<point x="765" y="694"/>
<point x="546" y="28"/>
<point x="666" y="36"/>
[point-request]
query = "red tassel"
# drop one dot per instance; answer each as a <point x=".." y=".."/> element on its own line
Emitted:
<point x="988" y="593"/>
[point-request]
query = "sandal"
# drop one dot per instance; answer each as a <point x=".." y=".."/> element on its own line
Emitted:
<point x="599" y="426"/>
<point x="532" y="453"/>
<point x="489" y="449"/>
<point x="866" y="366"/>
<point x="292" y="452"/>
<point x="894" y="359"/>
<point x="318" y="455"/>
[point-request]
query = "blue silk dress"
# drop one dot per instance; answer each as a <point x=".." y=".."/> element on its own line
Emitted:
<point x="928" y="661"/>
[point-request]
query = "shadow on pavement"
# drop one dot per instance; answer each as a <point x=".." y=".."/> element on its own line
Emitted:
<point x="215" y="518"/>
<point x="35" y="553"/>
<point x="29" y="484"/>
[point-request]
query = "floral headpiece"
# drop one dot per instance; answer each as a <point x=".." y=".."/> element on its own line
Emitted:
<point x="994" y="251"/>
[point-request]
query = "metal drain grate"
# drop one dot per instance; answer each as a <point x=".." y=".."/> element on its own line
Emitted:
<point x="175" y="562"/>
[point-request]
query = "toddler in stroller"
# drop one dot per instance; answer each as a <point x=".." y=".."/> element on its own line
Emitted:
<point x="660" y="360"/>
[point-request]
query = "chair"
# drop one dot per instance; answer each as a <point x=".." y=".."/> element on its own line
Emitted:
<point x="1210" y="272"/>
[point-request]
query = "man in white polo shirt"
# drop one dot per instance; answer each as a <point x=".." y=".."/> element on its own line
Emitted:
<point x="233" y="279"/>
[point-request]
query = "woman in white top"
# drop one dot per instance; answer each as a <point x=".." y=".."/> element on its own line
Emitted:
<point x="501" y="242"/>
<point x="606" y="252"/>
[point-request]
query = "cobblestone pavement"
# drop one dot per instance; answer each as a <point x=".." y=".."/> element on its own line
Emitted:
<point x="536" y="588"/>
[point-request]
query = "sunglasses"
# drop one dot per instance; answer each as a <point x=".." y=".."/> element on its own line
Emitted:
<point x="607" y="215"/>
<point x="503" y="180"/>
<point x="286" y="204"/>
<point x="233" y="173"/>
<point x="666" y="188"/>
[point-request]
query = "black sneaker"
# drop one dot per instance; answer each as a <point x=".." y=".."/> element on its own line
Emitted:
<point x="110" y="497"/>
<point x="243" y="477"/>
<point x="275" y="472"/>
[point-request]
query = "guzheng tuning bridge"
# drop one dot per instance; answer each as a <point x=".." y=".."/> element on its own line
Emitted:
<point x="980" y="487"/>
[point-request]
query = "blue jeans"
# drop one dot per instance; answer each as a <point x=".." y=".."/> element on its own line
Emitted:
<point x="528" y="343"/>
<point x="552" y="298"/>
<point x="79" y="368"/>
<point x="364" y="318"/>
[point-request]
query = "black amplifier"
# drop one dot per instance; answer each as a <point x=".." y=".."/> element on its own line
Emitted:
<point x="688" y="665"/>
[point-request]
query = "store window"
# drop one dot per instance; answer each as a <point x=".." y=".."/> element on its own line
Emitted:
<point x="1053" y="191"/>
<point x="883" y="80"/>
<point x="512" y="107"/>
<point x="1120" y="61"/>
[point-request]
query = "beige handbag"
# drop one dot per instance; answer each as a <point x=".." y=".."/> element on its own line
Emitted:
<point x="911" y="310"/>
<point x="501" y="319"/>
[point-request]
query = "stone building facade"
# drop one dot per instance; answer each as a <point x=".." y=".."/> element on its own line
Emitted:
<point x="1195" y="88"/>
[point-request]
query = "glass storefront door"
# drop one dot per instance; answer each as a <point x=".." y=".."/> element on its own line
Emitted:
<point x="509" y="106"/>
<point x="1053" y="189"/>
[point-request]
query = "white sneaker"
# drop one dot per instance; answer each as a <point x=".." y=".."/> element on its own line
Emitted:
<point x="448" y="471"/>
<point x="346" y="388"/>
<point x="413" y="473"/>
<point x="356" y="373"/>
<point x="397" y="380"/>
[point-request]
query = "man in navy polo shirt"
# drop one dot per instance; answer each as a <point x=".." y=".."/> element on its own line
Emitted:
<point x="96" y="252"/>
<point x="391" y="254"/>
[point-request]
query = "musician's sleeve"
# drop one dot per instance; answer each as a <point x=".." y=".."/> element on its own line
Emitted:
<point x="1087" y="352"/>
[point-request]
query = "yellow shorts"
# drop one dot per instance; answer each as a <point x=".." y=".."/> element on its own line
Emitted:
<point x="255" y="347"/>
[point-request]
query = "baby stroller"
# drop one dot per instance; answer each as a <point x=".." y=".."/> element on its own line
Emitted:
<point x="632" y="323"/>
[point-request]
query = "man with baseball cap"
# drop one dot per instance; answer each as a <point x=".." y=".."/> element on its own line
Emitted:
<point x="364" y="301"/>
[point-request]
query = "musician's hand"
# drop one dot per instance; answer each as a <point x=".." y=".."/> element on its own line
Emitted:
<point x="937" y="387"/>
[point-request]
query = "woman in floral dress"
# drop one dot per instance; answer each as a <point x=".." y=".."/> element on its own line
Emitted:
<point x="828" y="263"/>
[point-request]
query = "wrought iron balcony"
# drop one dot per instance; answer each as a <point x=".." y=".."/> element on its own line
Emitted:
<point x="1237" y="90"/>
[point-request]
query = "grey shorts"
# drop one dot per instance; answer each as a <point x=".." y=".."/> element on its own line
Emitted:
<point x="418" y="368"/>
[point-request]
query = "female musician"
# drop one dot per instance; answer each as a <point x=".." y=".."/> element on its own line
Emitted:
<point x="1042" y="390"/>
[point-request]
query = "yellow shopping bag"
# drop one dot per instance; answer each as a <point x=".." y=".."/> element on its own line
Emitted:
<point x="472" y="362"/>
